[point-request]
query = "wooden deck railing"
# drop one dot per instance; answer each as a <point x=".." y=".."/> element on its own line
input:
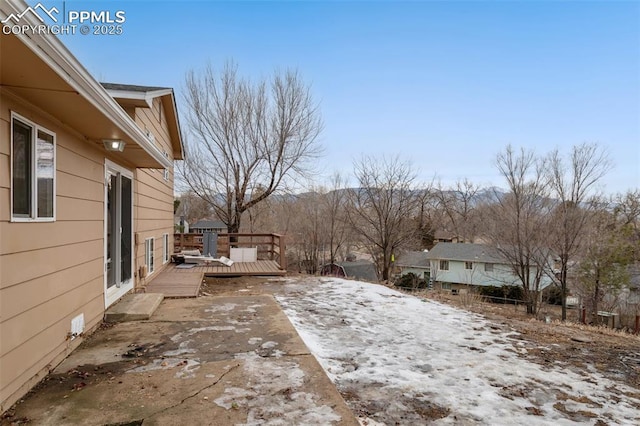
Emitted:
<point x="270" y="246"/>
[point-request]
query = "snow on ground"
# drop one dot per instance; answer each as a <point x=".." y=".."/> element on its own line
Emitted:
<point x="273" y="396"/>
<point x="405" y="359"/>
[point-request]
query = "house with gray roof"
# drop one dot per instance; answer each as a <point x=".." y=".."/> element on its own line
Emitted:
<point x="203" y="226"/>
<point x="446" y="236"/>
<point x="414" y="262"/>
<point x="456" y="266"/>
<point x="361" y="270"/>
<point x="631" y="294"/>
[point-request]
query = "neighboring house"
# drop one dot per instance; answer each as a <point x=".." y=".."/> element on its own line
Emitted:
<point x="80" y="217"/>
<point x="445" y="236"/>
<point x="361" y="270"/>
<point x="180" y="224"/>
<point x="456" y="266"/>
<point x="202" y="226"/>
<point x="415" y="262"/>
<point x="630" y="294"/>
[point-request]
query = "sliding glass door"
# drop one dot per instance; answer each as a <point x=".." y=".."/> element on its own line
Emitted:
<point x="118" y="232"/>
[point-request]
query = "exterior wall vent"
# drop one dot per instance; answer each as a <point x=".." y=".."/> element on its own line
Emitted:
<point x="77" y="326"/>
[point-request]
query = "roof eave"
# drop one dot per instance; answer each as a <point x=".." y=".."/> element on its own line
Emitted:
<point x="145" y="98"/>
<point x="55" y="54"/>
<point x="176" y="133"/>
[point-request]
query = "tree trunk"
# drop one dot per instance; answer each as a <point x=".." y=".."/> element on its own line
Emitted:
<point x="531" y="310"/>
<point x="386" y="260"/>
<point x="233" y="228"/>
<point x="563" y="289"/>
<point x="596" y="297"/>
<point x="385" y="272"/>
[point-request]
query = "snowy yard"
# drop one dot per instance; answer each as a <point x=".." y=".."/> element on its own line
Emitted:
<point x="398" y="359"/>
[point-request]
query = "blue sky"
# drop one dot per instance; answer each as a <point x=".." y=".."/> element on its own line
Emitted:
<point x="446" y="85"/>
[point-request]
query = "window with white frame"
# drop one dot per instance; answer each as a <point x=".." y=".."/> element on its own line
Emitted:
<point x="444" y="265"/>
<point x="468" y="265"/>
<point x="446" y="286"/>
<point x="165" y="248"/>
<point x="33" y="171"/>
<point x="488" y="267"/>
<point x="148" y="254"/>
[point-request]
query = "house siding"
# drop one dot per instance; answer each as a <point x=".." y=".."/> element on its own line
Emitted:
<point x="420" y="272"/>
<point x="501" y="274"/>
<point x="153" y="201"/>
<point x="52" y="271"/>
<point x="457" y="273"/>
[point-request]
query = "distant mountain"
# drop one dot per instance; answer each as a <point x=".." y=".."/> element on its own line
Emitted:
<point x="482" y="196"/>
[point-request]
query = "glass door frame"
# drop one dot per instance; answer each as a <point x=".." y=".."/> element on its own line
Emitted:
<point x="115" y="292"/>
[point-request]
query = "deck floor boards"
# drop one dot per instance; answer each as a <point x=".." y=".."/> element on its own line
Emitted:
<point x="261" y="267"/>
<point x="176" y="282"/>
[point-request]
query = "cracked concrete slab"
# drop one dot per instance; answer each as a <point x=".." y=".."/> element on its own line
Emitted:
<point x="210" y="360"/>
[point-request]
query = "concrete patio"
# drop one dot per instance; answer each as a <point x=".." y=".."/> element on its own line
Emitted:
<point x="216" y="360"/>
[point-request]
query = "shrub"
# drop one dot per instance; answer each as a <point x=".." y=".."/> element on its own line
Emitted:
<point x="553" y="295"/>
<point x="494" y="293"/>
<point x="410" y="281"/>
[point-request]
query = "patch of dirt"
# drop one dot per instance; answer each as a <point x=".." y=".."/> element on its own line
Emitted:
<point x="428" y="411"/>
<point x="9" y="418"/>
<point x="578" y="416"/>
<point x="582" y="399"/>
<point x="74" y="380"/>
<point x="614" y="354"/>
<point x="411" y="408"/>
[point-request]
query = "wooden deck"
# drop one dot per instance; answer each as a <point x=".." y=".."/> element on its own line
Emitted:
<point x="268" y="246"/>
<point x="174" y="282"/>
<point x="261" y="267"/>
<point x="177" y="282"/>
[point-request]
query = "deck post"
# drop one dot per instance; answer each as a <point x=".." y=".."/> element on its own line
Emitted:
<point x="180" y="236"/>
<point x="272" y="249"/>
<point x="283" y="252"/>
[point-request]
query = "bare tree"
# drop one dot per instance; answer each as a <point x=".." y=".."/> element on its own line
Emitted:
<point x="427" y="218"/>
<point x="627" y="210"/>
<point x="193" y="208"/>
<point x="572" y="183"/>
<point x="458" y="203"/>
<point x="309" y="230"/>
<point x="608" y="250"/>
<point x="382" y="206"/>
<point x="247" y="138"/>
<point x="334" y="216"/>
<point x="318" y="225"/>
<point x="259" y="216"/>
<point x="518" y="220"/>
